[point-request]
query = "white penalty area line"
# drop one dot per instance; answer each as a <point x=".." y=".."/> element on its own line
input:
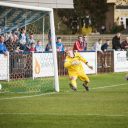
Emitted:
<point x="109" y="86"/>
<point x="57" y="114"/>
<point x="20" y="97"/>
<point x="44" y="94"/>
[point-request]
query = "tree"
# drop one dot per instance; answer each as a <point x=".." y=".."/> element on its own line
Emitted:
<point x="96" y="9"/>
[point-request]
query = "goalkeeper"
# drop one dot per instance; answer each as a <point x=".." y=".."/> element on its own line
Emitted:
<point x="73" y="63"/>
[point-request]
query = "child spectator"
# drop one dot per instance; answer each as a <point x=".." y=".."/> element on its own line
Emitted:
<point x="39" y="47"/>
<point x="32" y="48"/>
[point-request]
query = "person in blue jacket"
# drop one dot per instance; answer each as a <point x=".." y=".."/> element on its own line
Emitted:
<point x="3" y="49"/>
<point x="59" y="45"/>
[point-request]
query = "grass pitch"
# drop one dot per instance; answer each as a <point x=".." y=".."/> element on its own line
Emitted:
<point x="105" y="106"/>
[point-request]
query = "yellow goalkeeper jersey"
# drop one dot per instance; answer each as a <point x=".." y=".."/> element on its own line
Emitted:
<point x="74" y="68"/>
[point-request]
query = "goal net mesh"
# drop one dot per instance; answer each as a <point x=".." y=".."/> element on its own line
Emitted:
<point x="29" y="73"/>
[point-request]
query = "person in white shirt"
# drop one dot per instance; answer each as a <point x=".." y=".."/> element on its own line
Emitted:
<point x="97" y="45"/>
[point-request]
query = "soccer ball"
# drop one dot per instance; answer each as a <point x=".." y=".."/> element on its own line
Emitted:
<point x="126" y="77"/>
<point x="0" y="86"/>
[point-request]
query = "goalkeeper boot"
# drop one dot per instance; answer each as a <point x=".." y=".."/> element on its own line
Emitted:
<point x="73" y="87"/>
<point x="86" y="87"/>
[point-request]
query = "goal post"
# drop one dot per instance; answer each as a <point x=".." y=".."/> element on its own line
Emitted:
<point x="48" y="11"/>
<point x="54" y="51"/>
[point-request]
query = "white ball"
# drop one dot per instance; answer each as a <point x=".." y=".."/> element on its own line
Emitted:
<point x="0" y="86"/>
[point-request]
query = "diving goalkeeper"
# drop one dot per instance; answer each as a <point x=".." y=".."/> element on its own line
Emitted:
<point x="73" y="62"/>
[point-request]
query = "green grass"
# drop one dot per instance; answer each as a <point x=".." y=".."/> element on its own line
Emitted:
<point x="100" y="108"/>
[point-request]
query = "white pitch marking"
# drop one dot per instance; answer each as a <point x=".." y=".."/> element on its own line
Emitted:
<point x="62" y="114"/>
<point x="9" y="98"/>
<point x="109" y="86"/>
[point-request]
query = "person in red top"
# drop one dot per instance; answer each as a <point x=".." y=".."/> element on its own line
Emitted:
<point x="78" y="45"/>
<point x="32" y="48"/>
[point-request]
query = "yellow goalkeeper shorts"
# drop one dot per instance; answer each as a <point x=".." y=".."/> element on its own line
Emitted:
<point x="82" y="76"/>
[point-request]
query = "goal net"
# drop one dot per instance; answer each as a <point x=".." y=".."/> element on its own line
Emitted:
<point x="29" y="69"/>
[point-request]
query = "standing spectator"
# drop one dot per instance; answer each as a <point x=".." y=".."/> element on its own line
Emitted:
<point x="3" y="49"/>
<point x="85" y="42"/>
<point x="23" y="38"/>
<point x="124" y="46"/>
<point x="116" y="42"/>
<point x="39" y="47"/>
<point x="31" y="39"/>
<point x="59" y="45"/>
<point x="97" y="45"/>
<point x="78" y="44"/>
<point x="48" y="47"/>
<point x="104" y="48"/>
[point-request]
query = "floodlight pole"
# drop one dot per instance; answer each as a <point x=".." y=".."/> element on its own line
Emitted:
<point x="54" y="51"/>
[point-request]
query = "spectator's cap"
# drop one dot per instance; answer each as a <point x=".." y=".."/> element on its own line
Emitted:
<point x="58" y="38"/>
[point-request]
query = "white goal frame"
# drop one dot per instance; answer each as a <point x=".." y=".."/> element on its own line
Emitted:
<point x="52" y="27"/>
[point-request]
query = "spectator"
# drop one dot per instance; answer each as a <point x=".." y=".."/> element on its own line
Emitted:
<point x="3" y="49"/>
<point x="59" y="45"/>
<point x="124" y="46"/>
<point x="31" y="39"/>
<point x="85" y="42"/>
<point x="97" y="45"/>
<point x="32" y="48"/>
<point x="48" y="47"/>
<point x="104" y="47"/>
<point x="39" y="47"/>
<point x="78" y="44"/>
<point x="23" y="38"/>
<point x="103" y="29"/>
<point x="116" y="42"/>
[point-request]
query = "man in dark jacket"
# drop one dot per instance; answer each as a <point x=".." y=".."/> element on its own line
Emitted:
<point x="116" y="42"/>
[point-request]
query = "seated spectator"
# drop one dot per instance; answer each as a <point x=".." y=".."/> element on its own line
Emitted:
<point x="32" y="48"/>
<point x="3" y="49"/>
<point x="78" y="45"/>
<point x="59" y="45"/>
<point x="48" y="47"/>
<point x="39" y="47"/>
<point x="116" y="42"/>
<point x="97" y="45"/>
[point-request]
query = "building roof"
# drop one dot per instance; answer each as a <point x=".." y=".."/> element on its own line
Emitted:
<point x="44" y="3"/>
<point x="13" y="16"/>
